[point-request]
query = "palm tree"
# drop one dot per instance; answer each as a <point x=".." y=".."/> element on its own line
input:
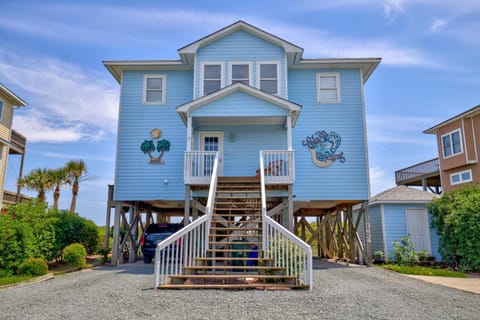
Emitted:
<point x="37" y="180"/>
<point x="58" y="178"/>
<point x="76" y="171"/>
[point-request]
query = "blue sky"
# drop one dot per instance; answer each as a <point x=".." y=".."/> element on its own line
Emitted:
<point x="51" y="54"/>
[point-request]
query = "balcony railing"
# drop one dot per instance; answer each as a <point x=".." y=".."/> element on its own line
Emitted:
<point x="17" y="143"/>
<point x="417" y="172"/>
<point x="279" y="166"/>
<point x="199" y="167"/>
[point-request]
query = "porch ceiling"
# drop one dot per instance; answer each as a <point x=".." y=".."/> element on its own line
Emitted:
<point x="206" y="121"/>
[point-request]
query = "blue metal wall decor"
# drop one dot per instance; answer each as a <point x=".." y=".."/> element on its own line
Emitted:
<point x="322" y="146"/>
<point x="148" y="147"/>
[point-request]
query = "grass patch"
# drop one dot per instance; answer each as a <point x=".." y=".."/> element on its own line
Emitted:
<point x="423" y="271"/>
<point x="14" y="279"/>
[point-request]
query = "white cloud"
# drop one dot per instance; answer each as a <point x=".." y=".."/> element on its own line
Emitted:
<point x="402" y="130"/>
<point x="438" y="24"/>
<point x="67" y="103"/>
<point x="380" y="180"/>
<point x="79" y="156"/>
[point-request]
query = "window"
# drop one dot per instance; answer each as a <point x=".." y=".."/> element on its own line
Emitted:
<point x="452" y="143"/>
<point x="154" y="89"/>
<point x="212" y="78"/>
<point x="268" y="77"/>
<point x="461" y="177"/>
<point x="328" y="87"/>
<point x="240" y="72"/>
<point x="1" y="109"/>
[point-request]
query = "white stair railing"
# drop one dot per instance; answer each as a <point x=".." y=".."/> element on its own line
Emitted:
<point x="198" y="166"/>
<point x="285" y="248"/>
<point x="181" y="248"/>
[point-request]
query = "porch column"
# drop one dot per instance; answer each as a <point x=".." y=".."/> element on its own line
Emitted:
<point x="289" y="133"/>
<point x="116" y="235"/>
<point x="189" y="134"/>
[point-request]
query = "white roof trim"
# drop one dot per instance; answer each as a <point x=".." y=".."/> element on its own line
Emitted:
<point x="117" y="67"/>
<point x="12" y="96"/>
<point x="294" y="109"/>
<point x="469" y="113"/>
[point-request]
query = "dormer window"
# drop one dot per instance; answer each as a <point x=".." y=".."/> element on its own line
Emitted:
<point x="212" y="77"/>
<point x="268" y="77"/>
<point x="240" y="72"/>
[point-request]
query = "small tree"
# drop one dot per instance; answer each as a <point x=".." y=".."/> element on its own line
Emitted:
<point x="76" y="171"/>
<point x="404" y="253"/>
<point x="58" y="178"/>
<point x="456" y="215"/>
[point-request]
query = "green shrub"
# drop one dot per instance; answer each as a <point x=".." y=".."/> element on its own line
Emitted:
<point x="456" y="215"/>
<point x="16" y="242"/>
<point x="70" y="228"/>
<point x="404" y="253"/>
<point x="33" y="267"/>
<point x="41" y="221"/>
<point x="75" y="255"/>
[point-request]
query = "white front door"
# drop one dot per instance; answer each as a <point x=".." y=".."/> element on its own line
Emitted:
<point x="418" y="229"/>
<point x="212" y="141"/>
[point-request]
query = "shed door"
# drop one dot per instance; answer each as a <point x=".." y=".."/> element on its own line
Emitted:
<point x="212" y="141"/>
<point x="418" y="229"/>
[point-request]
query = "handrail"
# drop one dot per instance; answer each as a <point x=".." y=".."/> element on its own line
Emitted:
<point x="281" y="245"/>
<point x="279" y="166"/>
<point x="181" y="248"/>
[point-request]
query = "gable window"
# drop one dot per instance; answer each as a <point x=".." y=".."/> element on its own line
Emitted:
<point x="328" y="87"/>
<point x="154" y="89"/>
<point x="268" y="77"/>
<point x="240" y="72"/>
<point x="212" y="78"/>
<point x="452" y="143"/>
<point x="461" y="177"/>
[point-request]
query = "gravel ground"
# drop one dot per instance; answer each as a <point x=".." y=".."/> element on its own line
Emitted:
<point x="339" y="293"/>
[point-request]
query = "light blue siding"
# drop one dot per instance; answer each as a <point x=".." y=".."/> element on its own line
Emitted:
<point x="135" y="178"/>
<point x="396" y="225"/>
<point x="242" y="145"/>
<point x="376" y="228"/>
<point x="348" y="180"/>
<point x="240" y="46"/>
<point x="239" y="104"/>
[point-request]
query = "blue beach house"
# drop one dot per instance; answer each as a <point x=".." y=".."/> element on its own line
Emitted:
<point x="243" y="123"/>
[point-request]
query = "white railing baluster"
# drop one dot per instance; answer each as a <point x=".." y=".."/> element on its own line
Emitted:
<point x="287" y="250"/>
<point x="181" y="248"/>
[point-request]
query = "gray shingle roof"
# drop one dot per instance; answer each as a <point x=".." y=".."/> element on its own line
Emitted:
<point x="403" y="194"/>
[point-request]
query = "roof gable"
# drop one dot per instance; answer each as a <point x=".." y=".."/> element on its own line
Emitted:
<point x="187" y="53"/>
<point x="293" y="108"/>
<point x="469" y="113"/>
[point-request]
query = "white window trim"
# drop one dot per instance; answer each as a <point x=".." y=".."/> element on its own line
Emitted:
<point x="2" y="109"/>
<point x="451" y="143"/>
<point x="279" y="77"/>
<point x="164" y="89"/>
<point x="230" y="65"/>
<point x="337" y="79"/>
<point x="222" y="74"/>
<point x="460" y="176"/>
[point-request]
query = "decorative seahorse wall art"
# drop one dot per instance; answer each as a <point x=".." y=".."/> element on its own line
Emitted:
<point x="148" y="147"/>
<point x="322" y="146"/>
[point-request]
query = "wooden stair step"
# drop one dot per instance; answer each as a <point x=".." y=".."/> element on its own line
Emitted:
<point x="243" y="286"/>
<point x="228" y="259"/>
<point x="234" y="250"/>
<point x="232" y="276"/>
<point x="235" y="242"/>
<point x="233" y="228"/>
<point x="253" y="268"/>
<point x="236" y="235"/>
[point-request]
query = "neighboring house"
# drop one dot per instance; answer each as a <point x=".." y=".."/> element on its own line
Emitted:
<point x="240" y="95"/>
<point x="11" y="142"/>
<point x="458" y="140"/>
<point x="402" y="211"/>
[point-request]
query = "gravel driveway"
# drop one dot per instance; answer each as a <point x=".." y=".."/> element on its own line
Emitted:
<point x="339" y="293"/>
